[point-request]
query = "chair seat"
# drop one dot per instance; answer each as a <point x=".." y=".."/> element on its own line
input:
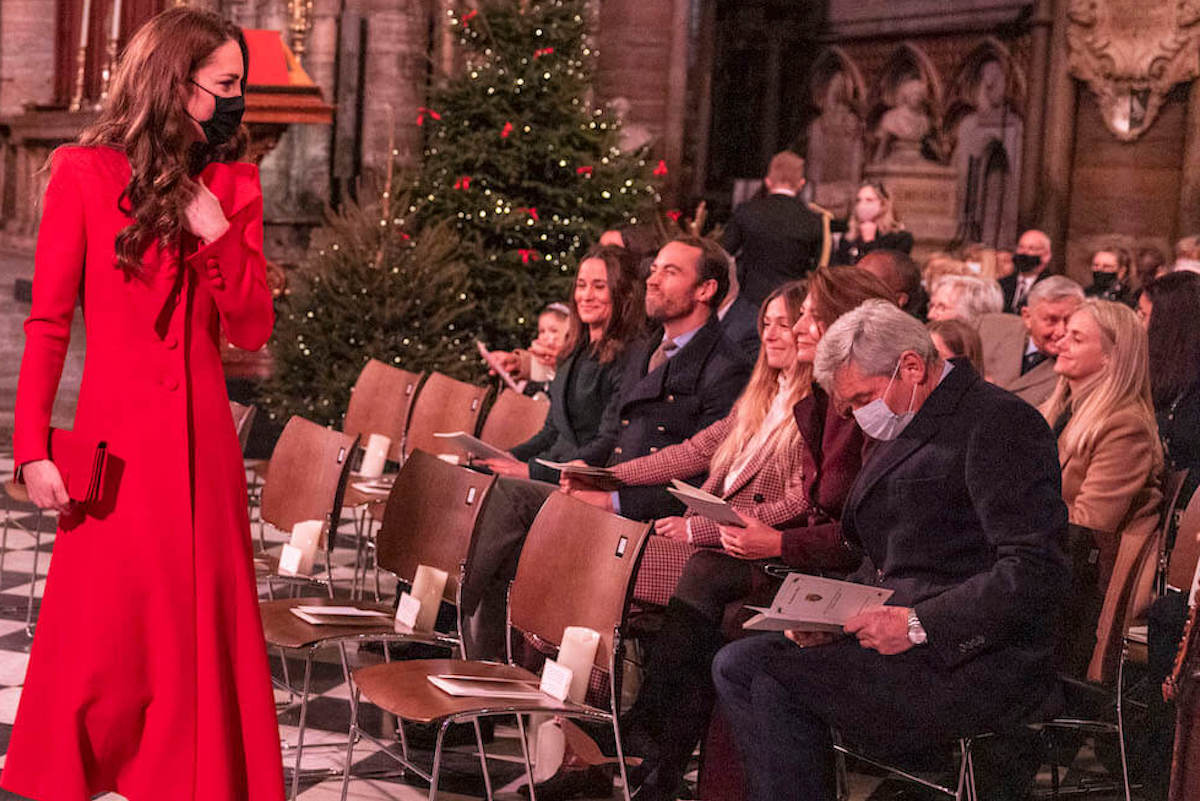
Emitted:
<point x="403" y="688"/>
<point x="357" y="497"/>
<point x="267" y="566"/>
<point x="283" y="629"/>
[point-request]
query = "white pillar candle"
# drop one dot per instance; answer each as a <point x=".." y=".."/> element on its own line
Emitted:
<point x="116" y="21"/>
<point x="306" y="538"/>
<point x="578" y="652"/>
<point x="376" y="456"/>
<point x="548" y="748"/>
<point x="427" y="587"/>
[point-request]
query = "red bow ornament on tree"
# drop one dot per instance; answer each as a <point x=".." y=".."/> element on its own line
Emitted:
<point x="526" y="255"/>
<point x="422" y="111"/>
<point x="661" y="169"/>
<point x="531" y="211"/>
<point x="584" y="171"/>
<point x="506" y="130"/>
<point x="470" y="15"/>
<point x="545" y="51"/>
<point x="464" y="182"/>
<point x="674" y="214"/>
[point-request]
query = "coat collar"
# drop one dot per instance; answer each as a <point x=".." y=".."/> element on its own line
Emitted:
<point x="235" y="185"/>
<point x="682" y="371"/>
<point x="940" y="404"/>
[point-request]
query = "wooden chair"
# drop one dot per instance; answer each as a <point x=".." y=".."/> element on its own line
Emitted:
<point x="576" y="569"/>
<point x="243" y="420"/>
<point x="513" y="419"/>
<point x="380" y="403"/>
<point x="429" y="520"/>
<point x="443" y="405"/>
<point x="306" y="480"/>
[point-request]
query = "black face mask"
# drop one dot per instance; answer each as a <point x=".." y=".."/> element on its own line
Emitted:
<point x="1026" y="262"/>
<point x="1102" y="282"/>
<point x="226" y="117"/>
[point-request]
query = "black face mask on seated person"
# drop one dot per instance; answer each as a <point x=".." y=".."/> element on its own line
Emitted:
<point x="1026" y="262"/>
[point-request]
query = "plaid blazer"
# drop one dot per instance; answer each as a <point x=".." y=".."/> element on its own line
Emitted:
<point x="771" y="490"/>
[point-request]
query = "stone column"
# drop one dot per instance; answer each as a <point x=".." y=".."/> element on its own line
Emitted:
<point x="1035" y="107"/>
<point x="1189" y="186"/>
<point x="677" y="95"/>
<point x="26" y="53"/>
<point x="1059" y="141"/>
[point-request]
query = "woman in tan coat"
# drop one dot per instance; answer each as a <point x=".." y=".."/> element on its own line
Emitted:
<point x="1108" y="447"/>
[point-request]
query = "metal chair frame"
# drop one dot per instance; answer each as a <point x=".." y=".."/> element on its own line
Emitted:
<point x="11" y="491"/>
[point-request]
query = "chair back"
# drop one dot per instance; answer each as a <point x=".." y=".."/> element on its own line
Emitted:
<point x="243" y="419"/>
<point x="443" y="405"/>
<point x="576" y="569"/>
<point x="380" y="403"/>
<point x="306" y="477"/>
<point x="430" y="518"/>
<point x="513" y="419"/>
<point x="1186" y="553"/>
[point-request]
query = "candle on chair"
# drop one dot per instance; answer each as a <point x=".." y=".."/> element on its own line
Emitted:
<point x="376" y="456"/>
<point x="578" y="652"/>
<point x="427" y="587"/>
<point x="306" y="538"/>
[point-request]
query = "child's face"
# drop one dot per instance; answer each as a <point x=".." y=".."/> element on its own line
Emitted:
<point x="552" y="330"/>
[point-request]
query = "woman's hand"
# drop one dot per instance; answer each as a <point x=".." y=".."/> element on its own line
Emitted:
<point x="509" y="362"/>
<point x="673" y="528"/>
<point x="544" y="353"/>
<point x="756" y="541"/>
<point x="45" y="485"/>
<point x="505" y="467"/>
<point x="204" y="217"/>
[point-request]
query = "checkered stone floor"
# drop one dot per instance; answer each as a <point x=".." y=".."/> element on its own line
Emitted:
<point x="373" y="773"/>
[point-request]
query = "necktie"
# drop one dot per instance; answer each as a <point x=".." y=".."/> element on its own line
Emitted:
<point x="661" y="354"/>
<point x="1031" y="360"/>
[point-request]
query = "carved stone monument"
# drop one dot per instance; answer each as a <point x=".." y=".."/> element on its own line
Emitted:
<point x="923" y="191"/>
<point x="987" y="160"/>
<point x="835" y="146"/>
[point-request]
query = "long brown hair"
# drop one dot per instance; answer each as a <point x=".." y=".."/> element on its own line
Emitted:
<point x="146" y="117"/>
<point x="753" y="405"/>
<point x="837" y="290"/>
<point x="628" y="293"/>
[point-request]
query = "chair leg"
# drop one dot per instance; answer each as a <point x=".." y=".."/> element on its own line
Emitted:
<point x="966" y="788"/>
<point x="436" y="775"/>
<point x="1121" y="721"/>
<point x="37" y="549"/>
<point x="525" y="754"/>
<point x="621" y="767"/>
<point x="308" y="660"/>
<point x="487" y="780"/>
<point x="841" y="780"/>
<point x="350" y="740"/>
<point x="4" y="542"/>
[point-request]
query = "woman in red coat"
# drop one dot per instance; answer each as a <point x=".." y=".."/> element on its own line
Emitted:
<point x="148" y="674"/>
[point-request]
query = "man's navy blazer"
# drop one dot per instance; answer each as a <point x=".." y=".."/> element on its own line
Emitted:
<point x="962" y="516"/>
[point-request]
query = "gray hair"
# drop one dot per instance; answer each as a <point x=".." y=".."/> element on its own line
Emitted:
<point x="1054" y="288"/>
<point x="873" y="336"/>
<point x="976" y="296"/>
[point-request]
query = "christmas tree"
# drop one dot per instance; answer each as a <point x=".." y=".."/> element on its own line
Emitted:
<point x="521" y="164"/>
<point x="367" y="290"/>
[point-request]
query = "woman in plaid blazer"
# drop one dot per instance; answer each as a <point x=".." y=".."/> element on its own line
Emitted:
<point x="753" y="457"/>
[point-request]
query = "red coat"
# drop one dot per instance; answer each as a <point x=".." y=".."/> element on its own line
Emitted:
<point x="148" y="674"/>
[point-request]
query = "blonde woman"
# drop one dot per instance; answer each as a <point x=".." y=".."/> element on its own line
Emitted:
<point x="873" y="226"/>
<point x="1102" y="412"/>
<point x="753" y="456"/>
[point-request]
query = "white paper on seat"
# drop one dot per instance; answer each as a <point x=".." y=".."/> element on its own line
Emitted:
<point x="340" y="616"/>
<point x="486" y="687"/>
<point x="812" y="603"/>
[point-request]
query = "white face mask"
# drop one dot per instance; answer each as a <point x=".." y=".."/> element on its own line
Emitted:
<point x="878" y="421"/>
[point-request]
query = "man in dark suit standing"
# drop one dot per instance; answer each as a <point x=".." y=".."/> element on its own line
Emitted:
<point x="1031" y="263"/>
<point x="775" y="237"/>
<point x="958" y="511"/>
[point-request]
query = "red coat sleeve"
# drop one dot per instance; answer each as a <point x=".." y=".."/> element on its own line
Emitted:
<point x="58" y="271"/>
<point x="235" y="272"/>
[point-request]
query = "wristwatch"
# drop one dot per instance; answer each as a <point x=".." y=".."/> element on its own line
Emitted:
<point x="916" y="632"/>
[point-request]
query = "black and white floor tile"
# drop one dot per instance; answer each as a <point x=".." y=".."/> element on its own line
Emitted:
<point x="26" y="560"/>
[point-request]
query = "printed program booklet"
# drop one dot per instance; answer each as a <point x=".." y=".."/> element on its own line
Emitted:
<point x="812" y="603"/>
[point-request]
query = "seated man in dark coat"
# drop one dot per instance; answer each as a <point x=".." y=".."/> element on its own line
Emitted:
<point x="958" y="511"/>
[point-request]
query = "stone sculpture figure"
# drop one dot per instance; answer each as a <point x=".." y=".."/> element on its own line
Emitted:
<point x="835" y="147"/>
<point x="904" y="126"/>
